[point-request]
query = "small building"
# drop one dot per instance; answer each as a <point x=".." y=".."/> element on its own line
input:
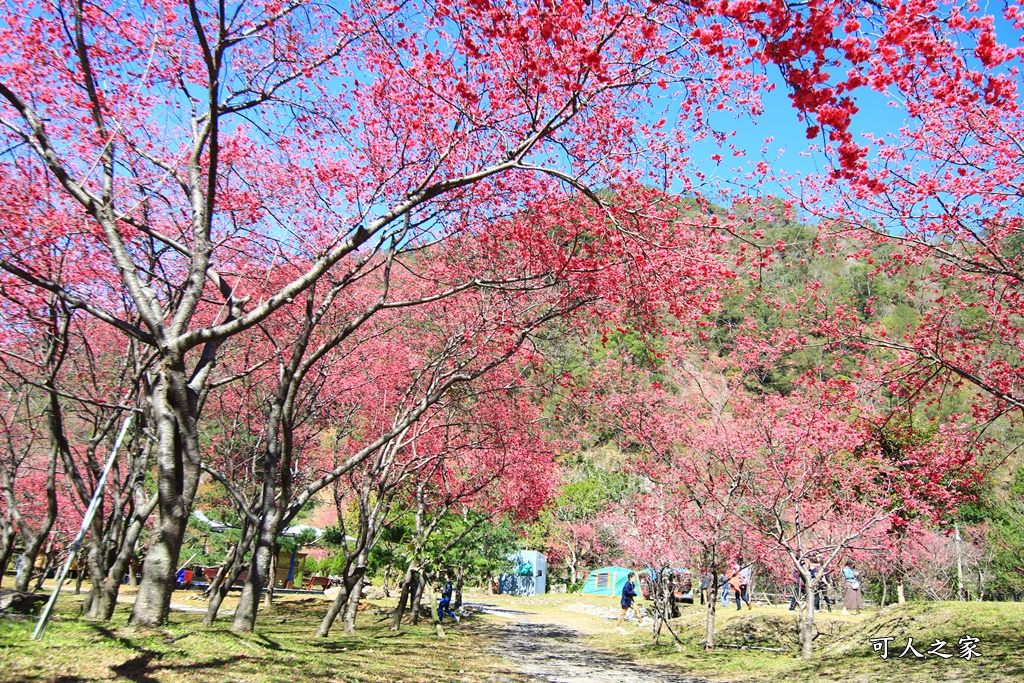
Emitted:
<point x="527" y="574"/>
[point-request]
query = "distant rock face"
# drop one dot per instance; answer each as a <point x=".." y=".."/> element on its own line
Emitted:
<point x="20" y="602"/>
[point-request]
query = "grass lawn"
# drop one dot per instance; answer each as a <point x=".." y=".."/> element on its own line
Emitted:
<point x="843" y="651"/>
<point x="283" y="650"/>
<point x="77" y="650"/>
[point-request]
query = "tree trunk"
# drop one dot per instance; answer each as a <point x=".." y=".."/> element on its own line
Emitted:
<point x="86" y="606"/>
<point x="217" y="597"/>
<point x="222" y="573"/>
<point x="429" y="590"/>
<point x="663" y="598"/>
<point x="354" y="578"/>
<point x="396" y="619"/>
<point x="658" y="614"/>
<point x="885" y="591"/>
<point x="900" y="595"/>
<point x="229" y="573"/>
<point x="96" y="572"/>
<point x="709" y="618"/>
<point x="268" y="595"/>
<point x="460" y="580"/>
<point x="106" y="599"/>
<point x="353" y="605"/>
<point x="807" y="618"/>
<point x="275" y="498"/>
<point x="807" y="629"/>
<point x="259" y="570"/>
<point x="174" y="411"/>
<point x="153" y="600"/>
<point x="333" y="611"/>
<point x="417" y="598"/>
<point x="34" y="542"/>
<point x="28" y="558"/>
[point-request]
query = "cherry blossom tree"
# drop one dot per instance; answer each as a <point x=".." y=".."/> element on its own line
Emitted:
<point x="485" y="457"/>
<point x="70" y="383"/>
<point x="32" y="425"/>
<point x="940" y="195"/>
<point x="817" y="485"/>
<point x="224" y="169"/>
<point x="166" y="142"/>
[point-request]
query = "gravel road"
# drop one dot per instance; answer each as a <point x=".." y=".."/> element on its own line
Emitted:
<point x="555" y="653"/>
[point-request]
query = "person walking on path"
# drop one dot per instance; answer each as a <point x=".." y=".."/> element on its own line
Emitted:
<point x="628" y="593"/>
<point x="444" y="607"/>
<point x="854" y="599"/>
<point x="739" y="580"/>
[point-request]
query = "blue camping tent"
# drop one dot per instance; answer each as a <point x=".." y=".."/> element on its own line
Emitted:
<point x="606" y="581"/>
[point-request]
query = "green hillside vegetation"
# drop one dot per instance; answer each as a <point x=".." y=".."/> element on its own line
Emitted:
<point x="776" y="262"/>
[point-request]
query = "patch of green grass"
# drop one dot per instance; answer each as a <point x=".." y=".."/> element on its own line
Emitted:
<point x="283" y="650"/>
<point x="843" y="651"/>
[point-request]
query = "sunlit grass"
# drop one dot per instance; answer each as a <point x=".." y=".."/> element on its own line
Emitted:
<point x="843" y="651"/>
<point x="283" y="649"/>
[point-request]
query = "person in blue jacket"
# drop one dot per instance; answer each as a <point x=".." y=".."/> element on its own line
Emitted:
<point x="444" y="607"/>
<point x="628" y="593"/>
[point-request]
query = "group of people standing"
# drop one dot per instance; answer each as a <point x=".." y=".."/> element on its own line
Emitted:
<point x="853" y="599"/>
<point x="812" y="567"/>
<point x="737" y="582"/>
<point x="738" y="579"/>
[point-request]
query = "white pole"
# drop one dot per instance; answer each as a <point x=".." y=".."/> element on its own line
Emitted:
<point x="86" y="522"/>
<point x="959" y="565"/>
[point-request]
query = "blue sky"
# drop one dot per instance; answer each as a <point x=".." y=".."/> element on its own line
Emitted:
<point x="790" y="152"/>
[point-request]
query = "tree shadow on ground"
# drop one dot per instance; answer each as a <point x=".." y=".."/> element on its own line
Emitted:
<point x="58" y="679"/>
<point x="124" y="642"/>
<point x="256" y="636"/>
<point x="145" y="667"/>
<point x="142" y="669"/>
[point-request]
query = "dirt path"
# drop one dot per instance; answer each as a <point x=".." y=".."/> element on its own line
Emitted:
<point x="555" y="653"/>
